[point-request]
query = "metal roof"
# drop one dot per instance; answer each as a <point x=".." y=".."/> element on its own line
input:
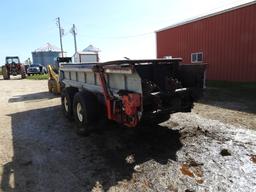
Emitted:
<point x="47" y="48"/>
<point x="206" y="16"/>
<point x="86" y="53"/>
<point x="91" y="48"/>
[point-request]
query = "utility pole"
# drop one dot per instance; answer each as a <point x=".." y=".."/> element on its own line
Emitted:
<point x="73" y="31"/>
<point x="60" y="32"/>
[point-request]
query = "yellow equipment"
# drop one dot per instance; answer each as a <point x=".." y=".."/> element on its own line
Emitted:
<point x="53" y="81"/>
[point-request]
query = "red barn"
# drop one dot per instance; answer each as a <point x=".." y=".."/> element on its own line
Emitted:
<point x="226" y="41"/>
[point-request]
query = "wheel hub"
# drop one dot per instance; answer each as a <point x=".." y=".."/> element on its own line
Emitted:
<point x="66" y="104"/>
<point x="79" y="112"/>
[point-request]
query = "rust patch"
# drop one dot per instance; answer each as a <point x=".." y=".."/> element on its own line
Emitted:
<point x="186" y="171"/>
<point x="253" y="158"/>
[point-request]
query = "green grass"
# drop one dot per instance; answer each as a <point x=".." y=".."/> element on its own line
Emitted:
<point x="231" y="85"/>
<point x="38" y="77"/>
<point x="236" y="90"/>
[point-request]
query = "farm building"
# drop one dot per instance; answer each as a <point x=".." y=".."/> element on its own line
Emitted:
<point x="89" y="54"/>
<point x="46" y="55"/>
<point x="225" y="41"/>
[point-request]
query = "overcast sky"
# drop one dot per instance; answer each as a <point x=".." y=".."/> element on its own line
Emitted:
<point x="118" y="28"/>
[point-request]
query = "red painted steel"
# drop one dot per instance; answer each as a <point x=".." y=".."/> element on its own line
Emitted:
<point x="227" y="40"/>
<point x="131" y="103"/>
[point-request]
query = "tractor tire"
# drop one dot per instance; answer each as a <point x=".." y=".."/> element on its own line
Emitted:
<point x="23" y="71"/>
<point x="5" y="72"/>
<point x="50" y="85"/>
<point x="85" y="110"/>
<point x="67" y="96"/>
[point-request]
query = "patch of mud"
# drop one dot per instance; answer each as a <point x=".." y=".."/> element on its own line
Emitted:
<point x="214" y="157"/>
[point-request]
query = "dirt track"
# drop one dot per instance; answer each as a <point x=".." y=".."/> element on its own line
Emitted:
<point x="39" y="150"/>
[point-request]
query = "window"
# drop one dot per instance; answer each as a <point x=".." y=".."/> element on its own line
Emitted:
<point x="197" y="57"/>
<point x="12" y="60"/>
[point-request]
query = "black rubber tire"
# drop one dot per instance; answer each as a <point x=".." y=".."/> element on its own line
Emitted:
<point x="5" y="72"/>
<point x="22" y="71"/>
<point x="68" y="95"/>
<point x="50" y="85"/>
<point x="89" y="112"/>
<point x="55" y="89"/>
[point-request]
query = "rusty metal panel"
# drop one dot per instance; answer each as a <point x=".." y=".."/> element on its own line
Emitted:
<point x="227" y="40"/>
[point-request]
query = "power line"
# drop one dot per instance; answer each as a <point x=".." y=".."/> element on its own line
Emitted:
<point x="222" y="5"/>
<point x="119" y="37"/>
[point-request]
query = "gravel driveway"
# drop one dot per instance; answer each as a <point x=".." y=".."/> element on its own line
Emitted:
<point x="39" y="150"/>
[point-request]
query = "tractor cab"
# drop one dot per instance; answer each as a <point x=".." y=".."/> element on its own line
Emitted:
<point x="12" y="60"/>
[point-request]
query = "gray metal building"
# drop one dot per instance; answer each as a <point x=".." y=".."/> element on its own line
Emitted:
<point x="46" y="55"/>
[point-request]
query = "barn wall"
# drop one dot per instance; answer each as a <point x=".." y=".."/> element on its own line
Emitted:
<point x="228" y="43"/>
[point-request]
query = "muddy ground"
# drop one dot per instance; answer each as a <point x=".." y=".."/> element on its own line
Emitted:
<point x="211" y="149"/>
